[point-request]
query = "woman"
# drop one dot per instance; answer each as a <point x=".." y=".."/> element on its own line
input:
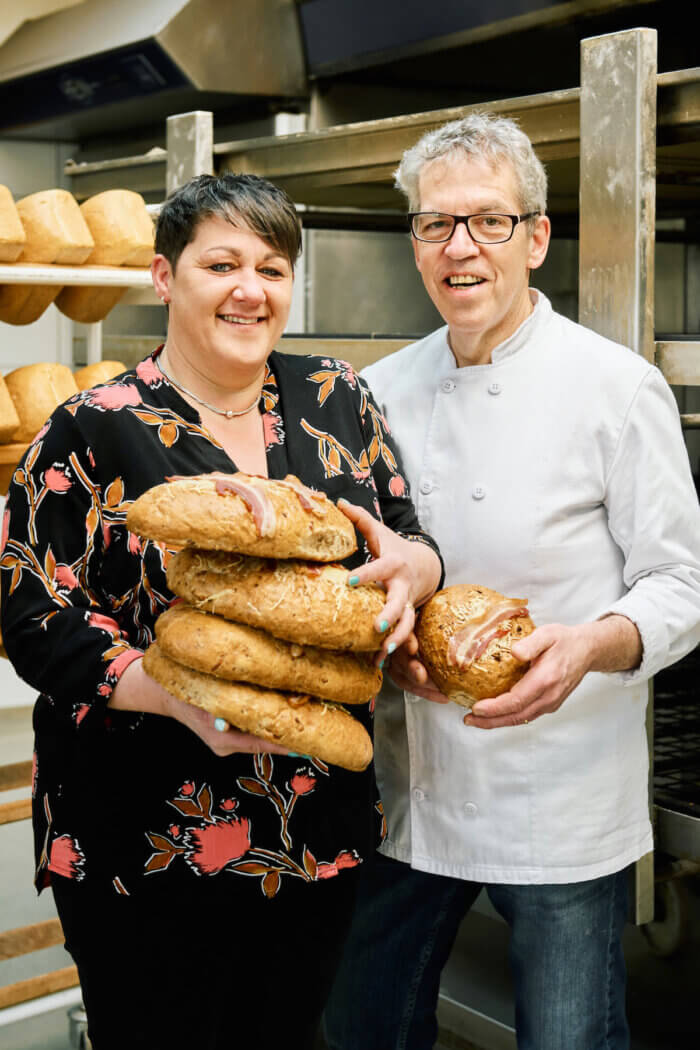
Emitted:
<point x="203" y="877"/>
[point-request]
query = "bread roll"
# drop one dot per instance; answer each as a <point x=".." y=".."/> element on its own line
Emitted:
<point x="298" y="601"/>
<point x="36" y="391"/>
<point x="12" y="235"/>
<point x="245" y="514"/>
<point x="239" y="653"/>
<point x="9" y="420"/>
<point x="55" y="230"/>
<point x="313" y="727"/>
<point x="100" y="372"/>
<point x="465" y="635"/>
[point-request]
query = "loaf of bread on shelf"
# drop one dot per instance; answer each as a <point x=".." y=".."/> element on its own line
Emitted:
<point x="55" y="229"/>
<point x="9" y="420"/>
<point x="99" y="372"/>
<point x="36" y="391"/>
<point x="25" y="303"/>
<point x="88" y="303"/>
<point x="123" y="234"/>
<point x="12" y="235"/>
<point x="121" y="228"/>
<point x="55" y="232"/>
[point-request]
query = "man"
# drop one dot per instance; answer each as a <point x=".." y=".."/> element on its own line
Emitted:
<point x="549" y="464"/>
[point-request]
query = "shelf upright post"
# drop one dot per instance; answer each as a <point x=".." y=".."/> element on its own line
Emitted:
<point x="617" y="199"/>
<point x="190" y="147"/>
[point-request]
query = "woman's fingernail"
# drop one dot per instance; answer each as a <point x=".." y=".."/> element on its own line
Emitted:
<point x="221" y="725"/>
<point x="391" y="647"/>
<point x="384" y="626"/>
<point x="380" y="665"/>
<point x="353" y="581"/>
<point x="293" y="754"/>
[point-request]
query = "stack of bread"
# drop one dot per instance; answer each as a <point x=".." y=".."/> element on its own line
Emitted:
<point x="49" y="228"/>
<point x="267" y="634"/>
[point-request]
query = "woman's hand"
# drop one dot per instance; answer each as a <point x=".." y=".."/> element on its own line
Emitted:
<point x="407" y="671"/>
<point x="136" y="691"/>
<point x="410" y="573"/>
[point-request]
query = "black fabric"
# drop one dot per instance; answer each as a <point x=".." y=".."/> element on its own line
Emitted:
<point x="205" y="973"/>
<point x="138" y="802"/>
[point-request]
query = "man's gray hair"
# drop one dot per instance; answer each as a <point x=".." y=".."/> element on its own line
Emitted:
<point x="480" y="136"/>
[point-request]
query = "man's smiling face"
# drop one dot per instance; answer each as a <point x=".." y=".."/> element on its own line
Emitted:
<point x="481" y="290"/>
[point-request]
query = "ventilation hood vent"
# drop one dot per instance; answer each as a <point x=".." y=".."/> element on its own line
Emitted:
<point x="106" y="64"/>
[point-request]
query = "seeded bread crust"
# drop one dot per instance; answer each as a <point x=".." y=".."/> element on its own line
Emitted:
<point x="495" y="672"/>
<point x="189" y="512"/>
<point x="315" y="728"/>
<point x="293" y="600"/>
<point x="236" y="652"/>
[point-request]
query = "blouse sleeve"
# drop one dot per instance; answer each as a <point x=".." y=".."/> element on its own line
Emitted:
<point x="58" y="628"/>
<point x="393" y="493"/>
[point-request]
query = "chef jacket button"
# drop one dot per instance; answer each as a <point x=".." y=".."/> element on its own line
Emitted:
<point x="448" y="386"/>
<point x="418" y="794"/>
<point x="426" y="487"/>
<point x="470" y="809"/>
<point x="494" y="388"/>
<point x="478" y="492"/>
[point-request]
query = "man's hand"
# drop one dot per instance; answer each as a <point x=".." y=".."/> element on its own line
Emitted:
<point x="406" y="670"/>
<point x="559" y="657"/>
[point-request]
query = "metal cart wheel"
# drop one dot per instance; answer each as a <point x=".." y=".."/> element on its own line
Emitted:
<point x="667" y="933"/>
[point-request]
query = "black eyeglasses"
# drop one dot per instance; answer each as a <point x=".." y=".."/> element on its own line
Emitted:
<point x="484" y="228"/>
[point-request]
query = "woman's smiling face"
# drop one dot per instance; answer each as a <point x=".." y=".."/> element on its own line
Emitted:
<point x="229" y="298"/>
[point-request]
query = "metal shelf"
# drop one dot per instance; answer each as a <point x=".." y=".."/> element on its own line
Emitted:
<point x="91" y="276"/>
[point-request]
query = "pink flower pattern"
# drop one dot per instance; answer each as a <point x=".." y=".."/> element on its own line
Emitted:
<point x="234" y="832"/>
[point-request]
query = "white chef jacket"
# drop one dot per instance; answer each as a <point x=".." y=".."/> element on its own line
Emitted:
<point x="557" y="473"/>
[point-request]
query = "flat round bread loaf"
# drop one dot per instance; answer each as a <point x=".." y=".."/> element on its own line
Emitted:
<point x="465" y="633"/>
<point x="310" y="727"/>
<point x="298" y="601"/>
<point x="244" y="514"/>
<point x="240" y="653"/>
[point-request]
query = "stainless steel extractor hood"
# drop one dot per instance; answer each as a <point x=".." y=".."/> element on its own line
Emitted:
<point x="120" y="63"/>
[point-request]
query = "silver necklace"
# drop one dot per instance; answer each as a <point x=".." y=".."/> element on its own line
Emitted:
<point x="228" y="412"/>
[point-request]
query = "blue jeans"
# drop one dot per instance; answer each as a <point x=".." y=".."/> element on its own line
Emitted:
<point x="565" y="955"/>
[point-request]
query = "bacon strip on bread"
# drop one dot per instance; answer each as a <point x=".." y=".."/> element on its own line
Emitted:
<point x="245" y="514"/>
<point x="465" y="633"/>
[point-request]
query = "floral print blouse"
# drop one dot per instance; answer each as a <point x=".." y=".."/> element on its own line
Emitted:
<point x="136" y="802"/>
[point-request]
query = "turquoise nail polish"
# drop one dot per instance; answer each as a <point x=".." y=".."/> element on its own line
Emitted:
<point x="353" y="581"/>
<point x="221" y="725"/>
<point x="384" y="626"/>
<point x="293" y="754"/>
<point x="380" y="665"/>
<point x="391" y="647"/>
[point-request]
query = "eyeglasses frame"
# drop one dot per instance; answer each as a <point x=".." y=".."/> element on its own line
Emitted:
<point x="515" y="220"/>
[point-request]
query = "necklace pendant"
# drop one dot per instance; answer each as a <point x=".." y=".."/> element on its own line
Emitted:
<point x="230" y="414"/>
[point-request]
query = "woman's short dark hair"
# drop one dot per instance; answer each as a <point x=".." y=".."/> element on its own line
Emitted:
<point x="242" y="200"/>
